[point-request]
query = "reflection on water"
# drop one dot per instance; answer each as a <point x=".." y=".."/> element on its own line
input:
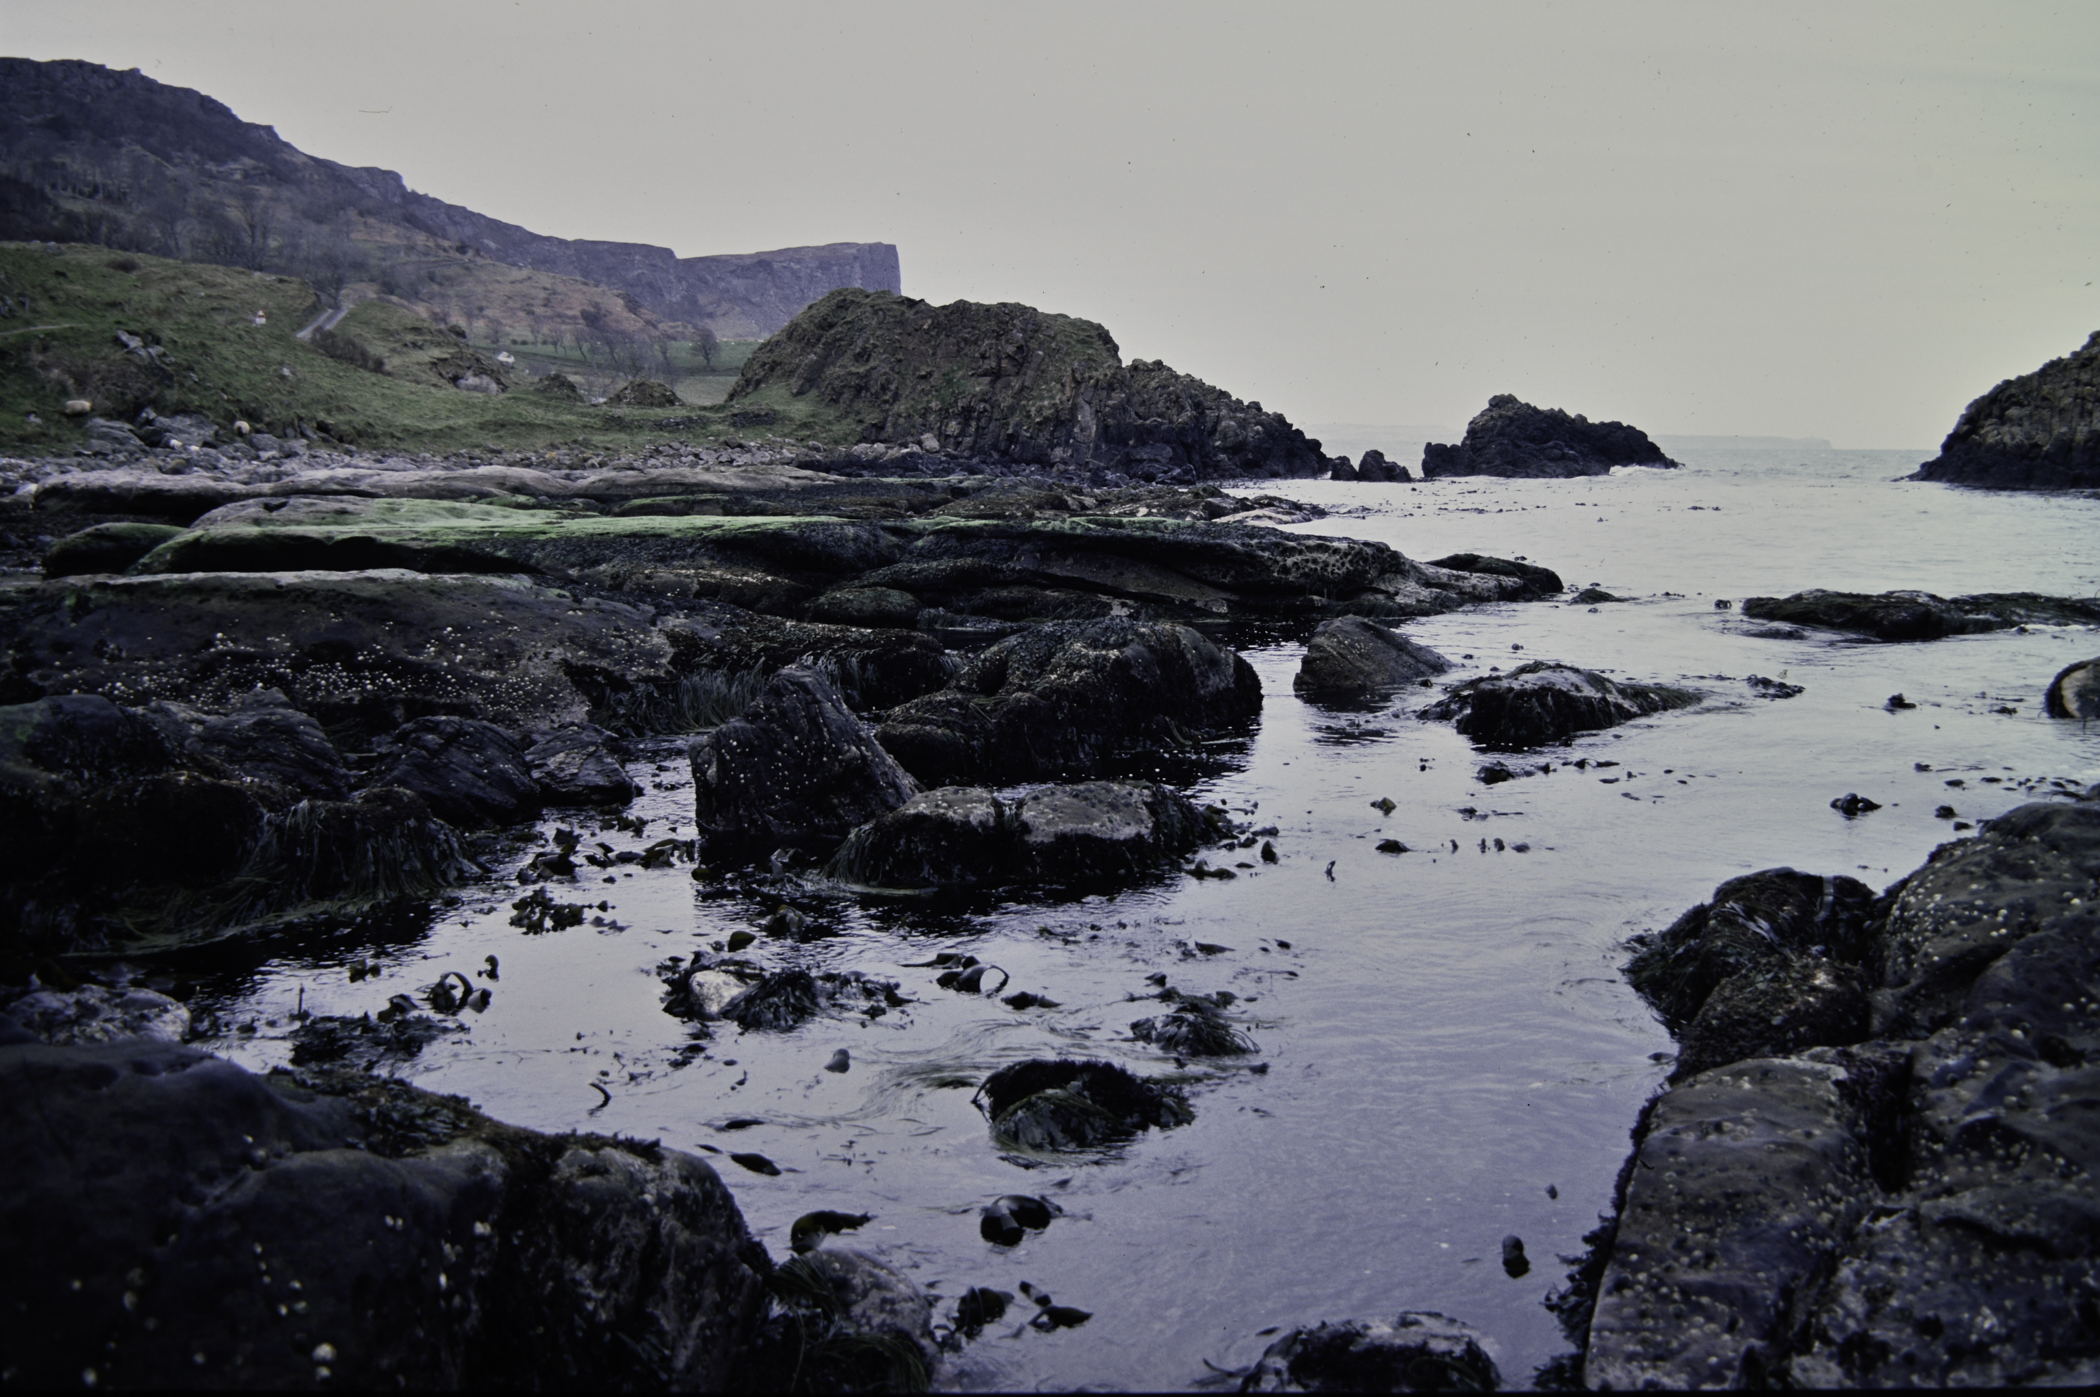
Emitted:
<point x="1448" y="1052"/>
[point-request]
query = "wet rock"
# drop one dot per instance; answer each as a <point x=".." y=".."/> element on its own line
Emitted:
<point x="1595" y="596"/>
<point x="1531" y="581"/>
<point x="1065" y="698"/>
<point x="105" y="548"/>
<point x="848" y="1323"/>
<point x="796" y="769"/>
<point x="1373" y="465"/>
<point x="1063" y="1103"/>
<point x="1853" y="805"/>
<point x="575" y="766"/>
<point x="97" y="1014"/>
<point x="1781" y="1006"/>
<point x="1515" y="1264"/>
<point x="470" y="773"/>
<point x="409" y="1240"/>
<point x="867" y="606"/>
<point x="786" y="998"/>
<point x="1007" y="1221"/>
<point x="262" y="736"/>
<point x="366" y="1044"/>
<point x="1920" y="615"/>
<point x="2034" y="432"/>
<point x="959" y="836"/>
<point x="1350" y="655"/>
<point x="1420" y="1351"/>
<point x="1541" y="702"/>
<point x="2075" y="692"/>
<point x="1512" y="438"/>
<point x="1772" y="688"/>
<point x="1194" y="1029"/>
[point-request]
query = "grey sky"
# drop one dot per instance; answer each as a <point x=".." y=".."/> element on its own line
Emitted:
<point x="1805" y="220"/>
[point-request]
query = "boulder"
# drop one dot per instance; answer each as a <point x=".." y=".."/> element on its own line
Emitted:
<point x="1350" y="655"/>
<point x="960" y="836"/>
<point x="1064" y="1104"/>
<point x="1532" y="581"/>
<point x="1542" y="702"/>
<point x="175" y="1220"/>
<point x="1421" y="1351"/>
<point x="470" y="773"/>
<point x="262" y="736"/>
<point x="1512" y="438"/>
<point x="1063" y="699"/>
<point x="2040" y="431"/>
<point x="105" y="548"/>
<point x="97" y="1014"/>
<point x="1374" y="466"/>
<point x="2075" y="692"/>
<point x="643" y="392"/>
<point x="1340" y="469"/>
<point x="846" y="1322"/>
<point x="574" y="765"/>
<point x="1920" y="615"/>
<point x="797" y="768"/>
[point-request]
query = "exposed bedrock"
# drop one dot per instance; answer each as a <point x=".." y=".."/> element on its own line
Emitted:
<point x="1510" y="437"/>
<point x="968" y="836"/>
<point x="1350" y="656"/>
<point x="1064" y="699"/>
<point x="796" y="768"/>
<point x="2040" y="431"/>
<point x="1541" y="703"/>
<point x="174" y="1220"/>
<point x="1912" y="1204"/>
<point x="2075" y="692"/>
<point x="1921" y="615"/>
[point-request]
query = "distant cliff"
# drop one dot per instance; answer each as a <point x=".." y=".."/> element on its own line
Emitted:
<point x="1512" y="438"/>
<point x="88" y="154"/>
<point x="2040" y="431"/>
<point x="1010" y="382"/>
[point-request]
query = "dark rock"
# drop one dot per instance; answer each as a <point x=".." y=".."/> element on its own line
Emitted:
<point x="560" y="387"/>
<point x="796" y="768"/>
<point x="96" y="1014"/>
<point x="786" y="998"/>
<point x="1010" y="383"/>
<point x="1515" y="1264"/>
<point x="469" y="773"/>
<point x="262" y="736"/>
<point x="1066" y="1104"/>
<point x="2040" y="431"/>
<point x="867" y="606"/>
<point x="1340" y="469"/>
<point x="1533" y="581"/>
<point x="1351" y="655"/>
<point x="1374" y="466"/>
<point x="366" y="1044"/>
<point x="1783" y="1005"/>
<point x="574" y="766"/>
<point x="1065" y="698"/>
<point x="1593" y="596"/>
<point x="644" y="392"/>
<point x="1854" y="805"/>
<point x="1920" y="615"/>
<point x="1194" y="1029"/>
<point x="1772" y="688"/>
<point x="2075" y="692"/>
<point x="105" y="548"/>
<point x="175" y="1220"/>
<point x="970" y="836"/>
<point x="846" y="1322"/>
<point x="1513" y="438"/>
<point x="1420" y="1351"/>
<point x="1541" y="702"/>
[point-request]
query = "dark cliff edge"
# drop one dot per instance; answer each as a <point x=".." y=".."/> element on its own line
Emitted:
<point x="2040" y="431"/>
<point x="92" y="155"/>
<point x="1512" y="438"/>
<point x="1008" y="382"/>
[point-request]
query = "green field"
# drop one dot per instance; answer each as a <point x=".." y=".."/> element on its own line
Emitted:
<point x="64" y="308"/>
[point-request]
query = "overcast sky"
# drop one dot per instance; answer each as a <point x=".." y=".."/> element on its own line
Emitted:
<point x="1800" y="220"/>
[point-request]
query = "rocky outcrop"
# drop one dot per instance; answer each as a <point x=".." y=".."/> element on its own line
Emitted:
<point x="105" y="548"/>
<point x="1352" y="656"/>
<point x="575" y="765"/>
<point x="967" y="836"/>
<point x="1009" y="382"/>
<point x="1543" y="702"/>
<point x="174" y="1220"/>
<point x="1063" y="699"/>
<point x="796" y="768"/>
<point x="2075" y="692"/>
<point x="2040" y="431"/>
<point x="1908" y="1205"/>
<point x="1920" y="615"/>
<point x="470" y="773"/>
<point x="1512" y="438"/>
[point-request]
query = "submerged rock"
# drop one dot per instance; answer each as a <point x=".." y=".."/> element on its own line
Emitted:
<point x="959" y="836"/>
<point x="1421" y="1351"/>
<point x="1920" y="615"/>
<point x="796" y="768"/>
<point x="1062" y="1103"/>
<point x="2075" y="692"/>
<point x="2040" y="431"/>
<point x="1542" y="702"/>
<point x="1064" y="698"/>
<point x="1512" y="438"/>
<point x="1350" y="655"/>
<point x="173" y="1219"/>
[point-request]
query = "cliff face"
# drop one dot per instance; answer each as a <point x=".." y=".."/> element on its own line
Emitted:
<point x="1010" y="382"/>
<point x="1513" y="438"/>
<point x="91" y="155"/>
<point x="2040" y="431"/>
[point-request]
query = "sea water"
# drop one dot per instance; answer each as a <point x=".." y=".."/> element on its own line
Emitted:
<point x="1447" y="1052"/>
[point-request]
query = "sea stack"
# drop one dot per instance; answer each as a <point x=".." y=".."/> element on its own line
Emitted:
<point x="1510" y="437"/>
<point x="2040" y="431"/>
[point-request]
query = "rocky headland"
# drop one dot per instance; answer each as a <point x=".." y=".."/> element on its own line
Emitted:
<point x="1510" y="437"/>
<point x="2040" y="431"/>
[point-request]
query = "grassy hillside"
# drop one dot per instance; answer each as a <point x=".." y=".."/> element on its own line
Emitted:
<point x="64" y="310"/>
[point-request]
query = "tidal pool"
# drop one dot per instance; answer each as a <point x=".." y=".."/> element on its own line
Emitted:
<point x="1447" y="1053"/>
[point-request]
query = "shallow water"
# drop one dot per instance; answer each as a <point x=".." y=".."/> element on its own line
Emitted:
<point x="1445" y="1031"/>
